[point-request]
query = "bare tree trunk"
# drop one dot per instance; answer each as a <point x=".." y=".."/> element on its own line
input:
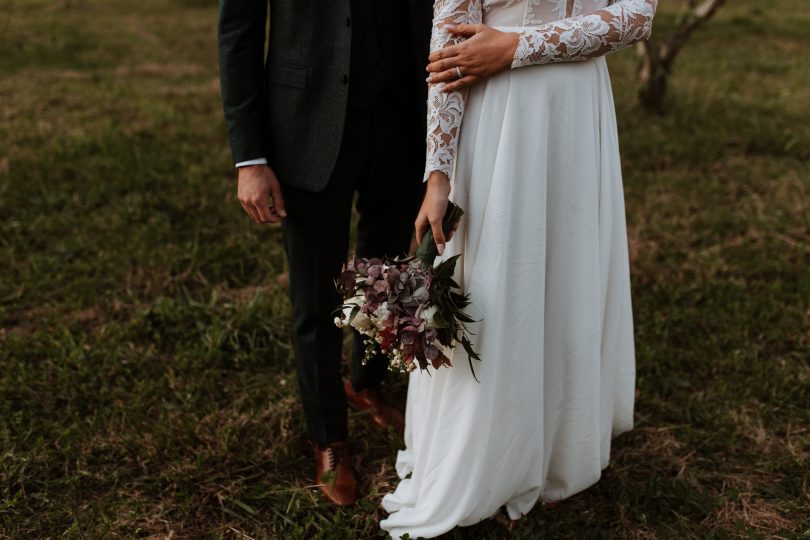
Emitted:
<point x="653" y="79"/>
<point x="658" y="58"/>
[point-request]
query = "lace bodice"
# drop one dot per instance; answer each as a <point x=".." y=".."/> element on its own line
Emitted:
<point x="535" y="12"/>
<point x="549" y="31"/>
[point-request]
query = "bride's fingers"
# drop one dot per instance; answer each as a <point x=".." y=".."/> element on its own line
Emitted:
<point x="444" y="76"/>
<point x="421" y="225"/>
<point x="438" y="235"/>
<point x="446" y="52"/>
<point x="464" y="30"/>
<point x="444" y="64"/>
<point x="459" y="84"/>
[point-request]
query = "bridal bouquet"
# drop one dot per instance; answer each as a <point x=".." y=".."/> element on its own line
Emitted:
<point x="408" y="309"/>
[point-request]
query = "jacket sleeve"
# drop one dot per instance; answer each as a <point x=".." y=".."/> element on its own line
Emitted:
<point x="241" y="35"/>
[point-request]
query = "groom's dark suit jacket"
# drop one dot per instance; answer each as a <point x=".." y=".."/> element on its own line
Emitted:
<point x="290" y="107"/>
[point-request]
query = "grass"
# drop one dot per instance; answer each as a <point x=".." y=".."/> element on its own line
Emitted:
<point x="147" y="387"/>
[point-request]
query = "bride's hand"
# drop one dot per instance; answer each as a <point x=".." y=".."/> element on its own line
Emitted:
<point x="433" y="209"/>
<point x="485" y="53"/>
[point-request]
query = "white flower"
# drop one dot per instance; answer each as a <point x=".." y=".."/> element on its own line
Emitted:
<point x="381" y="315"/>
<point x="428" y="315"/>
<point x="396" y="359"/>
<point x="348" y="307"/>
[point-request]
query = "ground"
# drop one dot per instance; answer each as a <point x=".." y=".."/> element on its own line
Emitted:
<point x="147" y="387"/>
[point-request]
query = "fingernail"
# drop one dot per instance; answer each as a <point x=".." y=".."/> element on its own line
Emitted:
<point x="449" y="25"/>
<point x="441" y="249"/>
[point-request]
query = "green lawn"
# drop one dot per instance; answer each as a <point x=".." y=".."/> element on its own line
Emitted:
<point x="146" y="380"/>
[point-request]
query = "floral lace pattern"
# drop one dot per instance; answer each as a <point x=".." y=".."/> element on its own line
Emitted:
<point x="445" y="110"/>
<point x="586" y="36"/>
<point x="590" y="28"/>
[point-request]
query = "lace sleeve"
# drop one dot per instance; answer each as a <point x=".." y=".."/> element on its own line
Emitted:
<point x="445" y="110"/>
<point x="615" y="27"/>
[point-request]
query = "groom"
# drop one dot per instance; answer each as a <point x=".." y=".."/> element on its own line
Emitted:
<point x="332" y="107"/>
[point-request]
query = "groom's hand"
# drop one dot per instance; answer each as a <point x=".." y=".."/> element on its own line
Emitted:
<point x="259" y="192"/>
<point x="485" y="53"/>
<point x="434" y="206"/>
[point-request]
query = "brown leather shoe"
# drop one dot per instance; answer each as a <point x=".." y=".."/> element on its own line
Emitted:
<point x="334" y="473"/>
<point x="382" y="414"/>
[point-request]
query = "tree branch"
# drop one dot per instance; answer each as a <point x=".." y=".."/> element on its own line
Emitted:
<point x="694" y="18"/>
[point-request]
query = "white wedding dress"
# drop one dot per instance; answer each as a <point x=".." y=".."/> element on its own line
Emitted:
<point x="536" y="168"/>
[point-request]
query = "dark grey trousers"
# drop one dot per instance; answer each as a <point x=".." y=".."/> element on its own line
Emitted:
<point x="379" y="162"/>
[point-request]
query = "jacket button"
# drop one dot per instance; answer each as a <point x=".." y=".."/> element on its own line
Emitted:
<point x="348" y="21"/>
<point x="344" y="78"/>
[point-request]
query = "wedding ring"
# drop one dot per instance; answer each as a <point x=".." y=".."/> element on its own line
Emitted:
<point x="458" y="72"/>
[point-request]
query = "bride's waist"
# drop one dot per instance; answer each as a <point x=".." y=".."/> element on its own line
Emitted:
<point x="557" y="77"/>
<point x="505" y="16"/>
<point x="575" y="67"/>
<point x="514" y="17"/>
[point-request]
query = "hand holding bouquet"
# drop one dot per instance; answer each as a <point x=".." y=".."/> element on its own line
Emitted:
<point x="408" y="309"/>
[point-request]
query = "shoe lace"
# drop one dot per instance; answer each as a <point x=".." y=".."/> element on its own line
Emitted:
<point x="335" y="455"/>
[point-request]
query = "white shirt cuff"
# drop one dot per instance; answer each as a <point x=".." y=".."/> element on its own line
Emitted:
<point x="260" y="161"/>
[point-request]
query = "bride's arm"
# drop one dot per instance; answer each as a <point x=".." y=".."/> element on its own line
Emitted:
<point x="446" y="109"/>
<point x="586" y="36"/>
<point x="490" y="50"/>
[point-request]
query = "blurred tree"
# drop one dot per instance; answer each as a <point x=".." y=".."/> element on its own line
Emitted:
<point x="659" y="55"/>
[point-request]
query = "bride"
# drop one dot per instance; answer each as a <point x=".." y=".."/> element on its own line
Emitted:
<point x="535" y="165"/>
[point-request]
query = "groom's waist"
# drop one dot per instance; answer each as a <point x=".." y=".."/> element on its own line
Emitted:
<point x="377" y="52"/>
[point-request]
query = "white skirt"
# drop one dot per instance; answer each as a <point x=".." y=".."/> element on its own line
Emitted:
<point x="545" y="262"/>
